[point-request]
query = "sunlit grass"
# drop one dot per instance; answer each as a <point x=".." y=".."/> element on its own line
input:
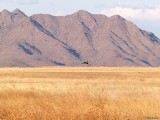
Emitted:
<point x="60" y="94"/>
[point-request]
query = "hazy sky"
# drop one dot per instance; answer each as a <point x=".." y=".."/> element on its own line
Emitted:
<point x="144" y="13"/>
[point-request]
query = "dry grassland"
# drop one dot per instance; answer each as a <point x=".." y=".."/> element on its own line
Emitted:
<point x="57" y="93"/>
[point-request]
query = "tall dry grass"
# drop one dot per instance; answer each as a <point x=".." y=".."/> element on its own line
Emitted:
<point x="50" y="94"/>
<point x="32" y="105"/>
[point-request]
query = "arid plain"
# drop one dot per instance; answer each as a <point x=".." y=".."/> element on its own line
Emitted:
<point x="84" y="93"/>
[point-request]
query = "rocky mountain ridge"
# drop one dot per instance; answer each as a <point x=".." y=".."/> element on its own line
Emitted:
<point x="46" y="40"/>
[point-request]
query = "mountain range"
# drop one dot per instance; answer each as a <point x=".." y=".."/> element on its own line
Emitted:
<point x="79" y="39"/>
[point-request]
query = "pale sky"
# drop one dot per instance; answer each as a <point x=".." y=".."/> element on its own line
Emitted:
<point x="144" y="13"/>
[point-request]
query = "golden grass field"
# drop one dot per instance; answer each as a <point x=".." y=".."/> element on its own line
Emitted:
<point x="60" y="93"/>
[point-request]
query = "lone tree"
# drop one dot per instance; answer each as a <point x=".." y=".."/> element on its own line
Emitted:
<point x="86" y="63"/>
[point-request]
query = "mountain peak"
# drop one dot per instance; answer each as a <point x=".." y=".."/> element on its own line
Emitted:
<point x="18" y="12"/>
<point x="83" y="12"/>
<point x="117" y="17"/>
<point x="5" y="17"/>
<point x="5" y="12"/>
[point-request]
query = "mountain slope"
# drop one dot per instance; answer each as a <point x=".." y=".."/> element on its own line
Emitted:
<point x="45" y="40"/>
